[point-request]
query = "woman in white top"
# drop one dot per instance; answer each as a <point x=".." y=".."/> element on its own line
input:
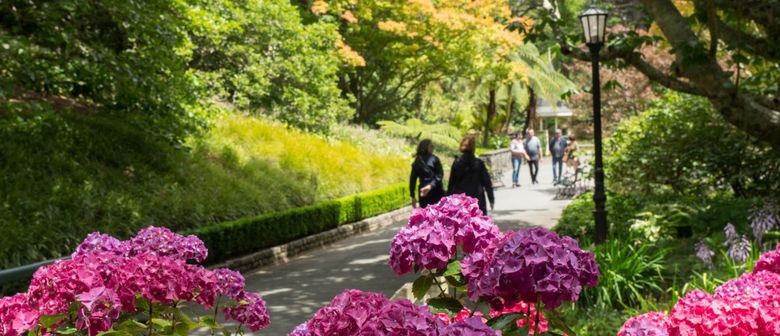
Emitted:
<point x="518" y="154"/>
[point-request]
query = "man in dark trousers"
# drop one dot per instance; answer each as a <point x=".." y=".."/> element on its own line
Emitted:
<point x="557" y="148"/>
<point x="533" y="147"/>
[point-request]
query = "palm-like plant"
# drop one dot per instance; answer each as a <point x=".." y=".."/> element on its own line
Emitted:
<point x="415" y="129"/>
<point x="514" y="82"/>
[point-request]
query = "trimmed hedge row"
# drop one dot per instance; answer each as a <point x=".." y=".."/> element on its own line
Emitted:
<point x="243" y="236"/>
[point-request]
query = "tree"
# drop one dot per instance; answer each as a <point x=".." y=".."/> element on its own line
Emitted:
<point x="723" y="51"/>
<point x="405" y="45"/>
<point x="259" y="56"/>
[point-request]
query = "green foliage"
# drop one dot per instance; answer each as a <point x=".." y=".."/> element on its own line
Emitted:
<point x="260" y="56"/>
<point x="123" y="57"/>
<point x="681" y="146"/>
<point x="577" y="218"/>
<point x="65" y="175"/>
<point x="594" y="321"/>
<point x="630" y="274"/>
<point x="416" y="130"/>
<point x="235" y="238"/>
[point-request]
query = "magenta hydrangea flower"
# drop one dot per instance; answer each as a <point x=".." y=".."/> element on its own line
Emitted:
<point x="164" y="242"/>
<point x="362" y="313"/>
<point x="229" y="283"/>
<point x="650" y="324"/>
<point x="17" y="317"/>
<point x="301" y="330"/>
<point x="430" y="238"/>
<point x="769" y="261"/>
<point x="105" y="276"/>
<point x="253" y="314"/>
<point x="100" y="242"/>
<point x="472" y="326"/>
<point x="530" y="265"/>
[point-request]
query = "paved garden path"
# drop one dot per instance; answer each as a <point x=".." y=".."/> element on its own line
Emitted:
<point x="295" y="290"/>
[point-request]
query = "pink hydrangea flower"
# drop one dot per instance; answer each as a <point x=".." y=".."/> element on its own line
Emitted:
<point x="699" y="313"/>
<point x="527" y="265"/>
<point x="17" y="317"/>
<point x="360" y="313"/>
<point x="650" y="324"/>
<point x="769" y="261"/>
<point x="253" y="314"/>
<point x="432" y="234"/>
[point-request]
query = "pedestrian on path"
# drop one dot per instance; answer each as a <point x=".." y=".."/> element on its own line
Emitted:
<point x="518" y="154"/>
<point x="427" y="169"/>
<point x="557" y="148"/>
<point x="533" y="146"/>
<point x="470" y="176"/>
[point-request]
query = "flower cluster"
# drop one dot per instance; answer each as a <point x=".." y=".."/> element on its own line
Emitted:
<point x="431" y="237"/>
<point x="530" y="265"/>
<point x="650" y="324"/>
<point x="704" y="253"/>
<point x="769" y="261"/>
<point x="159" y="241"/>
<point x="748" y="305"/>
<point x="528" y="314"/>
<point x="105" y="276"/>
<point x="362" y="313"/>
<point x="764" y="219"/>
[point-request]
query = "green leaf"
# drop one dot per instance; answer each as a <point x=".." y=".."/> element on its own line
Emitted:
<point x="421" y="286"/>
<point x="499" y="322"/>
<point x="132" y="326"/>
<point x="445" y="305"/>
<point x="67" y="331"/>
<point x="115" y="333"/>
<point x="161" y="323"/>
<point x="456" y="281"/>
<point x="453" y="268"/>
<point x="49" y="320"/>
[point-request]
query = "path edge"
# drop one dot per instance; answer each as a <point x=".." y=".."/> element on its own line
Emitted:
<point x="282" y="253"/>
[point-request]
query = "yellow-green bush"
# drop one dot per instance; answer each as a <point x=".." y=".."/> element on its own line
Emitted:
<point x="334" y="168"/>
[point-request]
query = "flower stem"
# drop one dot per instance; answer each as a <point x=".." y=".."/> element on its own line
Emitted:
<point x="538" y="311"/>
<point x="441" y="289"/>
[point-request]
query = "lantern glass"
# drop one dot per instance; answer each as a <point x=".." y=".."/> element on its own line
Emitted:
<point x="594" y="24"/>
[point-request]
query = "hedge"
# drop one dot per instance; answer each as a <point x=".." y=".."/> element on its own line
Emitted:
<point x="243" y="236"/>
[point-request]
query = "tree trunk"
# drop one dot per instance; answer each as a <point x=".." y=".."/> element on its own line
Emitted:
<point x="491" y="113"/>
<point x="530" y="111"/>
<point x="510" y="106"/>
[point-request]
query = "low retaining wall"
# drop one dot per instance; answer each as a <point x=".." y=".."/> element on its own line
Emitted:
<point x="282" y="253"/>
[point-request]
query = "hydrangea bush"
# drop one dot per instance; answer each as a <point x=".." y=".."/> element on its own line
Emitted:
<point x="518" y="273"/>
<point x="748" y="305"/>
<point x="361" y="313"/>
<point x="130" y="287"/>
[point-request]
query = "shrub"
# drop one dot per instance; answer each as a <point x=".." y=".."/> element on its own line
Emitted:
<point x="239" y="237"/>
<point x="681" y="146"/>
<point x="577" y="218"/>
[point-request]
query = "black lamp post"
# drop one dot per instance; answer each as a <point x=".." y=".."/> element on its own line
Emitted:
<point x="594" y="24"/>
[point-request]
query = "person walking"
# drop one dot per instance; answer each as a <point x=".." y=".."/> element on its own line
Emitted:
<point x="518" y="154"/>
<point x="557" y="148"/>
<point x="427" y="169"/>
<point x="533" y="147"/>
<point x="570" y="156"/>
<point x="470" y="176"/>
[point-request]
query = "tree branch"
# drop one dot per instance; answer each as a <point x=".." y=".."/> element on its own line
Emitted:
<point x="635" y="59"/>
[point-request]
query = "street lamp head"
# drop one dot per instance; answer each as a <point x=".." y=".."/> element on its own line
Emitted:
<point x="594" y="25"/>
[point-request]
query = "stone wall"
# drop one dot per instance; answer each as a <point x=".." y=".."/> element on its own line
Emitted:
<point x="499" y="162"/>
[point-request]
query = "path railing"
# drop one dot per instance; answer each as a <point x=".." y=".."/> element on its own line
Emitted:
<point x="11" y="275"/>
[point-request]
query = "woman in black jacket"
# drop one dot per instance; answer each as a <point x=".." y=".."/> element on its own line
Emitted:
<point x="427" y="168"/>
<point x="470" y="176"/>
